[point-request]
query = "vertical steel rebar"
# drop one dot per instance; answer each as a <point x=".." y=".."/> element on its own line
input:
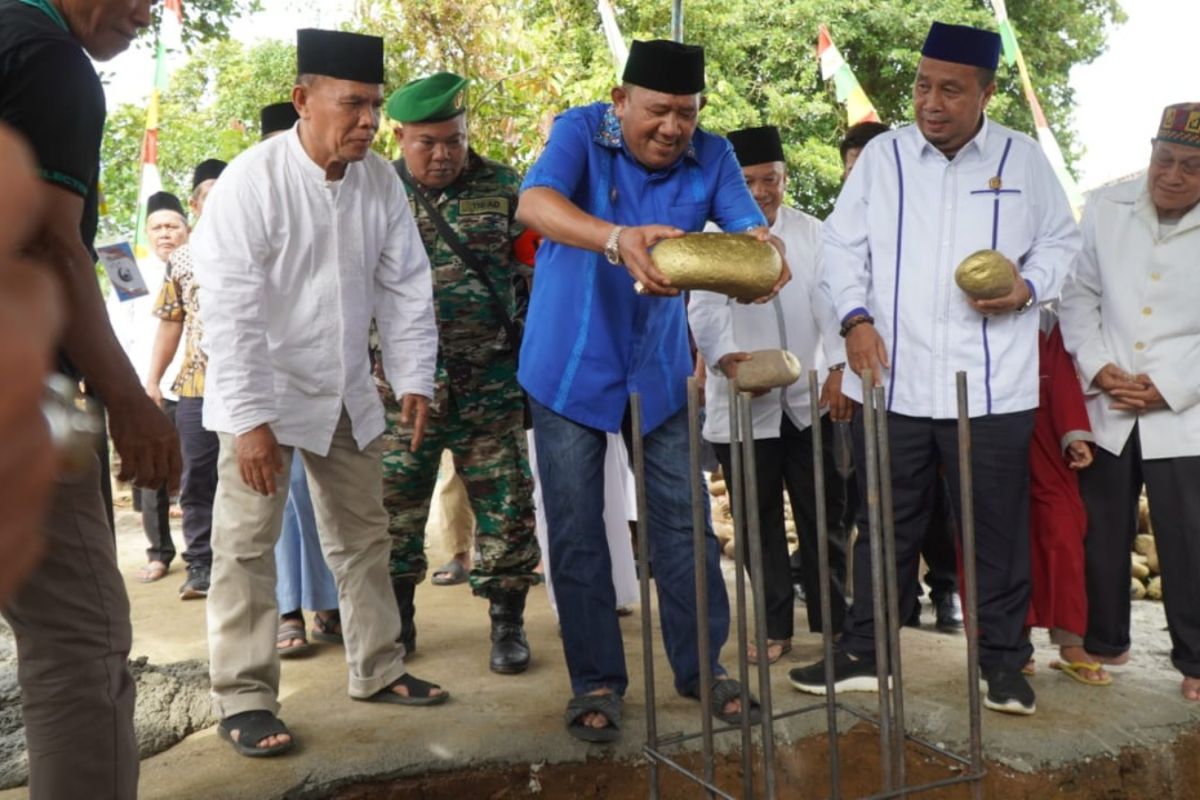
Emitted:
<point x="677" y="20"/>
<point x="879" y="609"/>
<point x="818" y="447"/>
<point x="892" y="585"/>
<point x="639" y="482"/>
<point x="734" y="491"/>
<point x="700" y="565"/>
<point x="966" y="486"/>
<point x="754" y="539"/>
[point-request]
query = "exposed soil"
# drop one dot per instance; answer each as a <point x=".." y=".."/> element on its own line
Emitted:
<point x="1164" y="773"/>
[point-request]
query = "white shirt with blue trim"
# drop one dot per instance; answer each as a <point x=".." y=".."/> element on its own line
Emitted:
<point x="905" y="219"/>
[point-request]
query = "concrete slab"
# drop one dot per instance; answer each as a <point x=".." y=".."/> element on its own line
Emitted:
<point x="494" y="720"/>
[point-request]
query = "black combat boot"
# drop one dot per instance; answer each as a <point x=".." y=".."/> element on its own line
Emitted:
<point x="510" y="648"/>
<point x="405" y="590"/>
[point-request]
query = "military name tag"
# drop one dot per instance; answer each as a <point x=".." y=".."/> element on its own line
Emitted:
<point x="483" y="205"/>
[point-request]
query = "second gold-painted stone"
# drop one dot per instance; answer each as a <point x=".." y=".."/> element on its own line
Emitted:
<point x="768" y="369"/>
<point x="985" y="275"/>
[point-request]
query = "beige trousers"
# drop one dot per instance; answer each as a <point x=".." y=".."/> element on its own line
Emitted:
<point x="451" y="519"/>
<point x="347" y="493"/>
<point x="71" y="622"/>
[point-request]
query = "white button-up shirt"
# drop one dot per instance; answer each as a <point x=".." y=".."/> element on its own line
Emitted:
<point x="905" y="219"/>
<point x="1133" y="303"/>
<point x="291" y="269"/>
<point x="800" y="319"/>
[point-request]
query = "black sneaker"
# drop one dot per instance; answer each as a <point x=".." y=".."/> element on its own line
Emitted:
<point x="196" y="585"/>
<point x="1009" y="693"/>
<point x="849" y="675"/>
<point x="949" y="613"/>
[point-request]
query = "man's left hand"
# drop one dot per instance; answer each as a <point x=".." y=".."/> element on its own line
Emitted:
<point x="414" y="410"/>
<point x="841" y="409"/>
<point x="785" y="274"/>
<point x="1147" y="398"/>
<point x="1013" y="301"/>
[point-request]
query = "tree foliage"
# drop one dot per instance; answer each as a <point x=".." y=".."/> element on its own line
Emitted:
<point x="530" y="59"/>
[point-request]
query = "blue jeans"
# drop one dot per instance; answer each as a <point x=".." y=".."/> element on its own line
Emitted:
<point x="570" y="460"/>
<point x="303" y="579"/>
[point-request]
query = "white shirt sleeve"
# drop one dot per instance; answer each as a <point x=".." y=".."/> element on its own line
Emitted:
<point x="1056" y="241"/>
<point x="711" y="318"/>
<point x="408" y="335"/>
<point x="1079" y="311"/>
<point x="230" y="254"/>
<point x="845" y="251"/>
<point x="828" y="321"/>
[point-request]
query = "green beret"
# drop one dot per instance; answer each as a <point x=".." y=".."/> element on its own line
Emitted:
<point x="439" y="97"/>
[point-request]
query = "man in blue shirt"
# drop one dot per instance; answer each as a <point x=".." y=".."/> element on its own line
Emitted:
<point x="613" y="181"/>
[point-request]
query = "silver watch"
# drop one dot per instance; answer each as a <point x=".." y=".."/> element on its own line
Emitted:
<point x="612" y="248"/>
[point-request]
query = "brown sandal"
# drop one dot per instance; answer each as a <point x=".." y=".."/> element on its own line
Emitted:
<point x="785" y="647"/>
<point x="154" y="571"/>
<point x="291" y="629"/>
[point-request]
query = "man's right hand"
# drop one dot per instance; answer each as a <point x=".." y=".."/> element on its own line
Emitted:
<point x="865" y="350"/>
<point x="1111" y="377"/>
<point x="259" y="459"/>
<point x="146" y="441"/>
<point x="154" y="392"/>
<point x="634" y="244"/>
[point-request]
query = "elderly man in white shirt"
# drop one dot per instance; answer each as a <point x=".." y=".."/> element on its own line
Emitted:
<point x="919" y="200"/>
<point x="1129" y="318"/>
<point x="799" y="319"/>
<point x="305" y="239"/>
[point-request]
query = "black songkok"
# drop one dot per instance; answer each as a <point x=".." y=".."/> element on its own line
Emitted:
<point x="208" y="170"/>
<point x="757" y="145"/>
<point x="277" y="117"/>
<point x="164" y="201"/>
<point x="665" y="66"/>
<point x="962" y="44"/>
<point x="339" y="54"/>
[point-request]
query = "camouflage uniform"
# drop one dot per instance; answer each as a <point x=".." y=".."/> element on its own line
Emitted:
<point x="477" y="409"/>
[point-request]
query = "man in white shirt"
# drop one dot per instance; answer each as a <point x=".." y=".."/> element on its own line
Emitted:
<point x="1129" y="318"/>
<point x="304" y="240"/>
<point x="919" y="200"/>
<point x="136" y="326"/>
<point x="799" y="319"/>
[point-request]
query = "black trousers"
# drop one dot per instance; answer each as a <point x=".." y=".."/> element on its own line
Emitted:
<point x="920" y="448"/>
<point x="1110" y="489"/>
<point x="155" y="505"/>
<point x="200" y="449"/>
<point x="787" y="462"/>
<point x="940" y="549"/>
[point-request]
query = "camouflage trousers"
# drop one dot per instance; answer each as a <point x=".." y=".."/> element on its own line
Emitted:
<point x="493" y="463"/>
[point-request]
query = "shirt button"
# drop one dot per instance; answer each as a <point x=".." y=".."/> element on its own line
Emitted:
<point x="1156" y="276"/>
<point x="1146" y="311"/>
<point x="1139" y="346"/>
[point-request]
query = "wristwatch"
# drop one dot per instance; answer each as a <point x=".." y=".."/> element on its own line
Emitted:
<point x="612" y="248"/>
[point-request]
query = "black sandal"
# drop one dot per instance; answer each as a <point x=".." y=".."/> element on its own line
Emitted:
<point x="725" y="690"/>
<point x="326" y="629"/>
<point x="607" y="704"/>
<point x="419" y="693"/>
<point x="252" y="727"/>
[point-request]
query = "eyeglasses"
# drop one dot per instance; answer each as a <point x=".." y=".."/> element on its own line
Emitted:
<point x="1164" y="159"/>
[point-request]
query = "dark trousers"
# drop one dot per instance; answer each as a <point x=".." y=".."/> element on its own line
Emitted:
<point x="155" y="505"/>
<point x="1110" y="489"/>
<point x="570" y="460"/>
<point x="786" y="462"/>
<point x="200" y="449"/>
<point x="1000" y="468"/>
<point x="939" y="549"/>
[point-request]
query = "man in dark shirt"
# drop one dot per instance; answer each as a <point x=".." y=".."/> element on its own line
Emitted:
<point x="71" y="619"/>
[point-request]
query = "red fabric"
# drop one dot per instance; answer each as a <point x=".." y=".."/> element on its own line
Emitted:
<point x="1058" y="520"/>
<point x="525" y="247"/>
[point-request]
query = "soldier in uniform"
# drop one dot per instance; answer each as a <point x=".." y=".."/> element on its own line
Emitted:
<point x="478" y="406"/>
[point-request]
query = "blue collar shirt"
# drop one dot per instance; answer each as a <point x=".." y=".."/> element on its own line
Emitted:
<point x="590" y="340"/>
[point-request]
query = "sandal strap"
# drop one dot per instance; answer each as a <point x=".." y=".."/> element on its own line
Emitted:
<point x="290" y="629"/>
<point x="328" y="623"/>
<point x="417" y="688"/>
<point x="727" y="690"/>
<point x="609" y="705"/>
<point x="254" y="726"/>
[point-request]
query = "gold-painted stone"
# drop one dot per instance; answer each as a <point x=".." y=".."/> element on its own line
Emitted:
<point x="985" y="275"/>
<point x="732" y="264"/>
<point x="768" y="369"/>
